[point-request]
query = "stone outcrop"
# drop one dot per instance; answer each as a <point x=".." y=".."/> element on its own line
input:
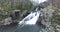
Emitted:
<point x="6" y="21"/>
<point x="45" y="20"/>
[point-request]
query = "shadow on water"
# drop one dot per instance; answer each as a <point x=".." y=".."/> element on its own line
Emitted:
<point x="30" y="28"/>
<point x="25" y="28"/>
<point x="8" y="28"/>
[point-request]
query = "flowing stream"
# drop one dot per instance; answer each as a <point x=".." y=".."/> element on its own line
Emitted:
<point x="31" y="18"/>
<point x="28" y="24"/>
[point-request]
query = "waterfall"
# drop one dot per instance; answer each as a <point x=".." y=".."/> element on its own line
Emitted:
<point x="32" y="18"/>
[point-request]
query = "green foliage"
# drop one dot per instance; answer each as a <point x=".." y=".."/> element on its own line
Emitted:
<point x="15" y="5"/>
<point x="5" y="8"/>
<point x="2" y="17"/>
<point x="4" y="5"/>
<point x="24" y="7"/>
<point x="10" y="9"/>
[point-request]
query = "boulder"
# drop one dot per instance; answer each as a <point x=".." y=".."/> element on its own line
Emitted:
<point x="15" y="14"/>
<point x="7" y="21"/>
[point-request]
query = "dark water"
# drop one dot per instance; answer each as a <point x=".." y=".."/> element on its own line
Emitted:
<point x="25" y="28"/>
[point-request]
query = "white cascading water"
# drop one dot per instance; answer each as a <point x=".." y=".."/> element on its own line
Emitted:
<point x="32" y="17"/>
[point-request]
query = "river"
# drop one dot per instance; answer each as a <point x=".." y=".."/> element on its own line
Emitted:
<point x="28" y="24"/>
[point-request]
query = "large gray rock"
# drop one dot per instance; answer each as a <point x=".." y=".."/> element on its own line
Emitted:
<point x="7" y="21"/>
